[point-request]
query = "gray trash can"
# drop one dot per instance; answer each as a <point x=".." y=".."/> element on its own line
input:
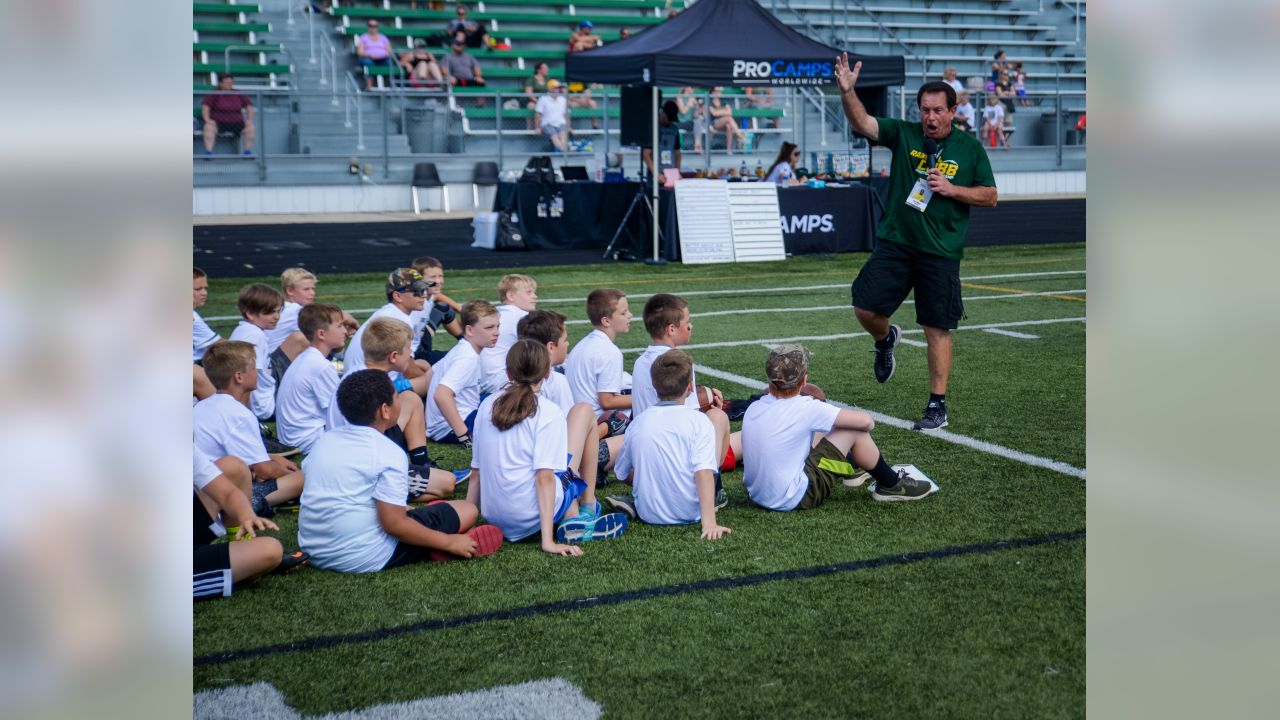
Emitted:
<point x="456" y="139"/>
<point x="420" y="125"/>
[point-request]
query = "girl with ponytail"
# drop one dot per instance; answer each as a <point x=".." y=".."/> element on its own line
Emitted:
<point x="519" y="477"/>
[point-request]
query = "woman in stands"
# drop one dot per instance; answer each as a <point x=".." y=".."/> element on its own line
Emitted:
<point x="722" y="120"/>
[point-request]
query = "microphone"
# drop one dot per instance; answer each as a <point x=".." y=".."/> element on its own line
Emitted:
<point x="931" y="149"/>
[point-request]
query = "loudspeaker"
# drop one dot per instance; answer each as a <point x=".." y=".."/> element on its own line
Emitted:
<point x="637" y="115"/>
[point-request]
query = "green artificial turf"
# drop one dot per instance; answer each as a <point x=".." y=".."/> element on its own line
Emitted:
<point x="991" y="635"/>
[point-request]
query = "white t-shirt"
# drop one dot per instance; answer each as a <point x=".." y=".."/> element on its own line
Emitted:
<point x="203" y="472"/>
<point x="777" y="436"/>
<point x="333" y="416"/>
<point x="493" y="361"/>
<point x="263" y="400"/>
<point x="307" y="389"/>
<point x="955" y="85"/>
<point x="781" y="174"/>
<point x="594" y="366"/>
<point x="225" y="427"/>
<point x="347" y="470"/>
<point x="993" y="114"/>
<point x="509" y="460"/>
<point x="642" y="393"/>
<point x="552" y="109"/>
<point x="287" y="326"/>
<point x="965" y="112"/>
<point x="460" y="372"/>
<point x="665" y="447"/>
<point x="202" y="336"/>
<point x="556" y="389"/>
<point x="353" y="358"/>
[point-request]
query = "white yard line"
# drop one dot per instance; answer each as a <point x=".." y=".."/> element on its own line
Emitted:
<point x="945" y="435"/>
<point x="746" y="291"/>
<point x="845" y="336"/>
<point x="914" y="343"/>
<point x="1012" y="334"/>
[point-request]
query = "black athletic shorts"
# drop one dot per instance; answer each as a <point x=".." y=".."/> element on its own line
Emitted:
<point x="279" y="363"/>
<point x="894" y="269"/>
<point x="203" y="524"/>
<point x="440" y="516"/>
<point x="211" y="571"/>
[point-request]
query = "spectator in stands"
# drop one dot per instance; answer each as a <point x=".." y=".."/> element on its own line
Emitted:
<point x="782" y="172"/>
<point x="583" y="38"/>
<point x="226" y="112"/>
<point x="421" y="66"/>
<point x="1020" y="84"/>
<point x="535" y="86"/>
<point x="993" y="123"/>
<point x="1004" y="91"/>
<point x="462" y="69"/>
<point x="997" y="66"/>
<point x="623" y="34"/>
<point x="722" y="120"/>
<point x="949" y="77"/>
<point x="763" y="98"/>
<point x="552" y="116"/>
<point x="373" y="48"/>
<point x="693" y="109"/>
<point x="966" y="115"/>
<point x="463" y="28"/>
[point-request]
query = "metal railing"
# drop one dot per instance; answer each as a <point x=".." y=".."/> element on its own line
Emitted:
<point x="350" y="100"/>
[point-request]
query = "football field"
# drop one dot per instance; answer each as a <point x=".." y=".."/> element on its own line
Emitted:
<point x="968" y="604"/>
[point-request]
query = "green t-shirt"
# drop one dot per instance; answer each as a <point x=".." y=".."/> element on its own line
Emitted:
<point x="941" y="228"/>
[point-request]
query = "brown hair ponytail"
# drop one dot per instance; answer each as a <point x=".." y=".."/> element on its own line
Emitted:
<point x="528" y="363"/>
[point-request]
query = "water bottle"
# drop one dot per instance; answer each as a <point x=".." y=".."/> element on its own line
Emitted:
<point x="759" y="169"/>
<point x="742" y="171"/>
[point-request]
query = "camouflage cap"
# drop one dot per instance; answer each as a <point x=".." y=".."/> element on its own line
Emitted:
<point x="786" y="366"/>
<point x="407" y="280"/>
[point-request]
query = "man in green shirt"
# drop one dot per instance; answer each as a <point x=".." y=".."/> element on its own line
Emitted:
<point x="935" y="176"/>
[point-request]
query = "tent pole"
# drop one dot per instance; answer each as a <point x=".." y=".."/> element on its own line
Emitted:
<point x="655" y="156"/>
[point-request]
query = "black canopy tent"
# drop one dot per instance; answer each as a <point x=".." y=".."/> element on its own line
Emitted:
<point x="730" y="43"/>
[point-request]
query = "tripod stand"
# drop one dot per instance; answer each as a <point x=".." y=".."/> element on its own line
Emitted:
<point x="640" y="200"/>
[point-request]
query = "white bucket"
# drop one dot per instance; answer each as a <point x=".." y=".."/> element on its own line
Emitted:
<point x="486" y="225"/>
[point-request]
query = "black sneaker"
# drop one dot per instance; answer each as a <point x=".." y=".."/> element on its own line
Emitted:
<point x="290" y="562"/>
<point x="722" y="499"/>
<point x="935" y="417"/>
<point x="275" y="447"/>
<point x="907" y="488"/>
<point x="625" y="504"/>
<point x="885" y="364"/>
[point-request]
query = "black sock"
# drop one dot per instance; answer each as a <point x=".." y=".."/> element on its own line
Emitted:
<point x="886" y="477"/>
<point x="418" y="456"/>
<point x="936" y="398"/>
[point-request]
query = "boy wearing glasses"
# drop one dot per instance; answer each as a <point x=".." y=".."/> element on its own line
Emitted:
<point x="406" y="292"/>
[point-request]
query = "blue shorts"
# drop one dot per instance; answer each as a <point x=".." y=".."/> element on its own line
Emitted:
<point x="370" y="62"/>
<point x="573" y="490"/>
<point x="451" y="438"/>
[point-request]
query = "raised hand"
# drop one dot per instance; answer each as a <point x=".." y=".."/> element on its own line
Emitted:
<point x="844" y="76"/>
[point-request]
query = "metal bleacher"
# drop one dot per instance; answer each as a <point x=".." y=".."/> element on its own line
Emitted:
<point x="226" y="38"/>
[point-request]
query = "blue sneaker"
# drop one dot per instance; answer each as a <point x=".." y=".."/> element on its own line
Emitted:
<point x="461" y="476"/>
<point x="580" y="529"/>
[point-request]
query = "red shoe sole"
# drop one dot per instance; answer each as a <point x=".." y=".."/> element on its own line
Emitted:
<point x="488" y="539"/>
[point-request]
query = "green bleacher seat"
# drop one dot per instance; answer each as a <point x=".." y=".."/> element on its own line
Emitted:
<point x="228" y="27"/>
<point x="444" y="16"/>
<point x="580" y="4"/>
<point x="240" y="69"/>
<point x="425" y="31"/>
<point x="222" y="9"/>
<point x="486" y="72"/>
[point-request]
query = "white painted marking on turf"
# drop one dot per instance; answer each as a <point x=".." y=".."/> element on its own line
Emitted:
<point x="823" y="308"/>
<point x="951" y="437"/>
<point x="847" y="336"/>
<point x="551" y="699"/>
<point x="743" y="291"/>
<point x="1012" y="334"/>
<point x="909" y="341"/>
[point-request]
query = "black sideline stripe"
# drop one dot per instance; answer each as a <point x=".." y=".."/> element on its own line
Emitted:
<point x="329" y="641"/>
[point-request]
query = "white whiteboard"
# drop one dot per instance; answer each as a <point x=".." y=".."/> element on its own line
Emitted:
<point x="757" y="226"/>
<point x="706" y="229"/>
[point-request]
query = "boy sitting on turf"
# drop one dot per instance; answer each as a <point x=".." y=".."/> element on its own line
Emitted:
<point x="216" y="568"/>
<point x="387" y="347"/>
<point x="796" y="447"/>
<point x="308" y="386"/>
<point x="670" y="452"/>
<point x="666" y="318"/>
<point x="519" y="296"/>
<point x="455" y="386"/>
<point x="354" y="517"/>
<point x="440" y="311"/>
<point x="406" y="292"/>
<point x="547" y="328"/>
<point x="594" y="368"/>
<point x="202" y="336"/>
<point x="224" y="425"/>
<point x="260" y="307"/>
<point x="285" y="342"/>
<point x="518" y="475"/>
